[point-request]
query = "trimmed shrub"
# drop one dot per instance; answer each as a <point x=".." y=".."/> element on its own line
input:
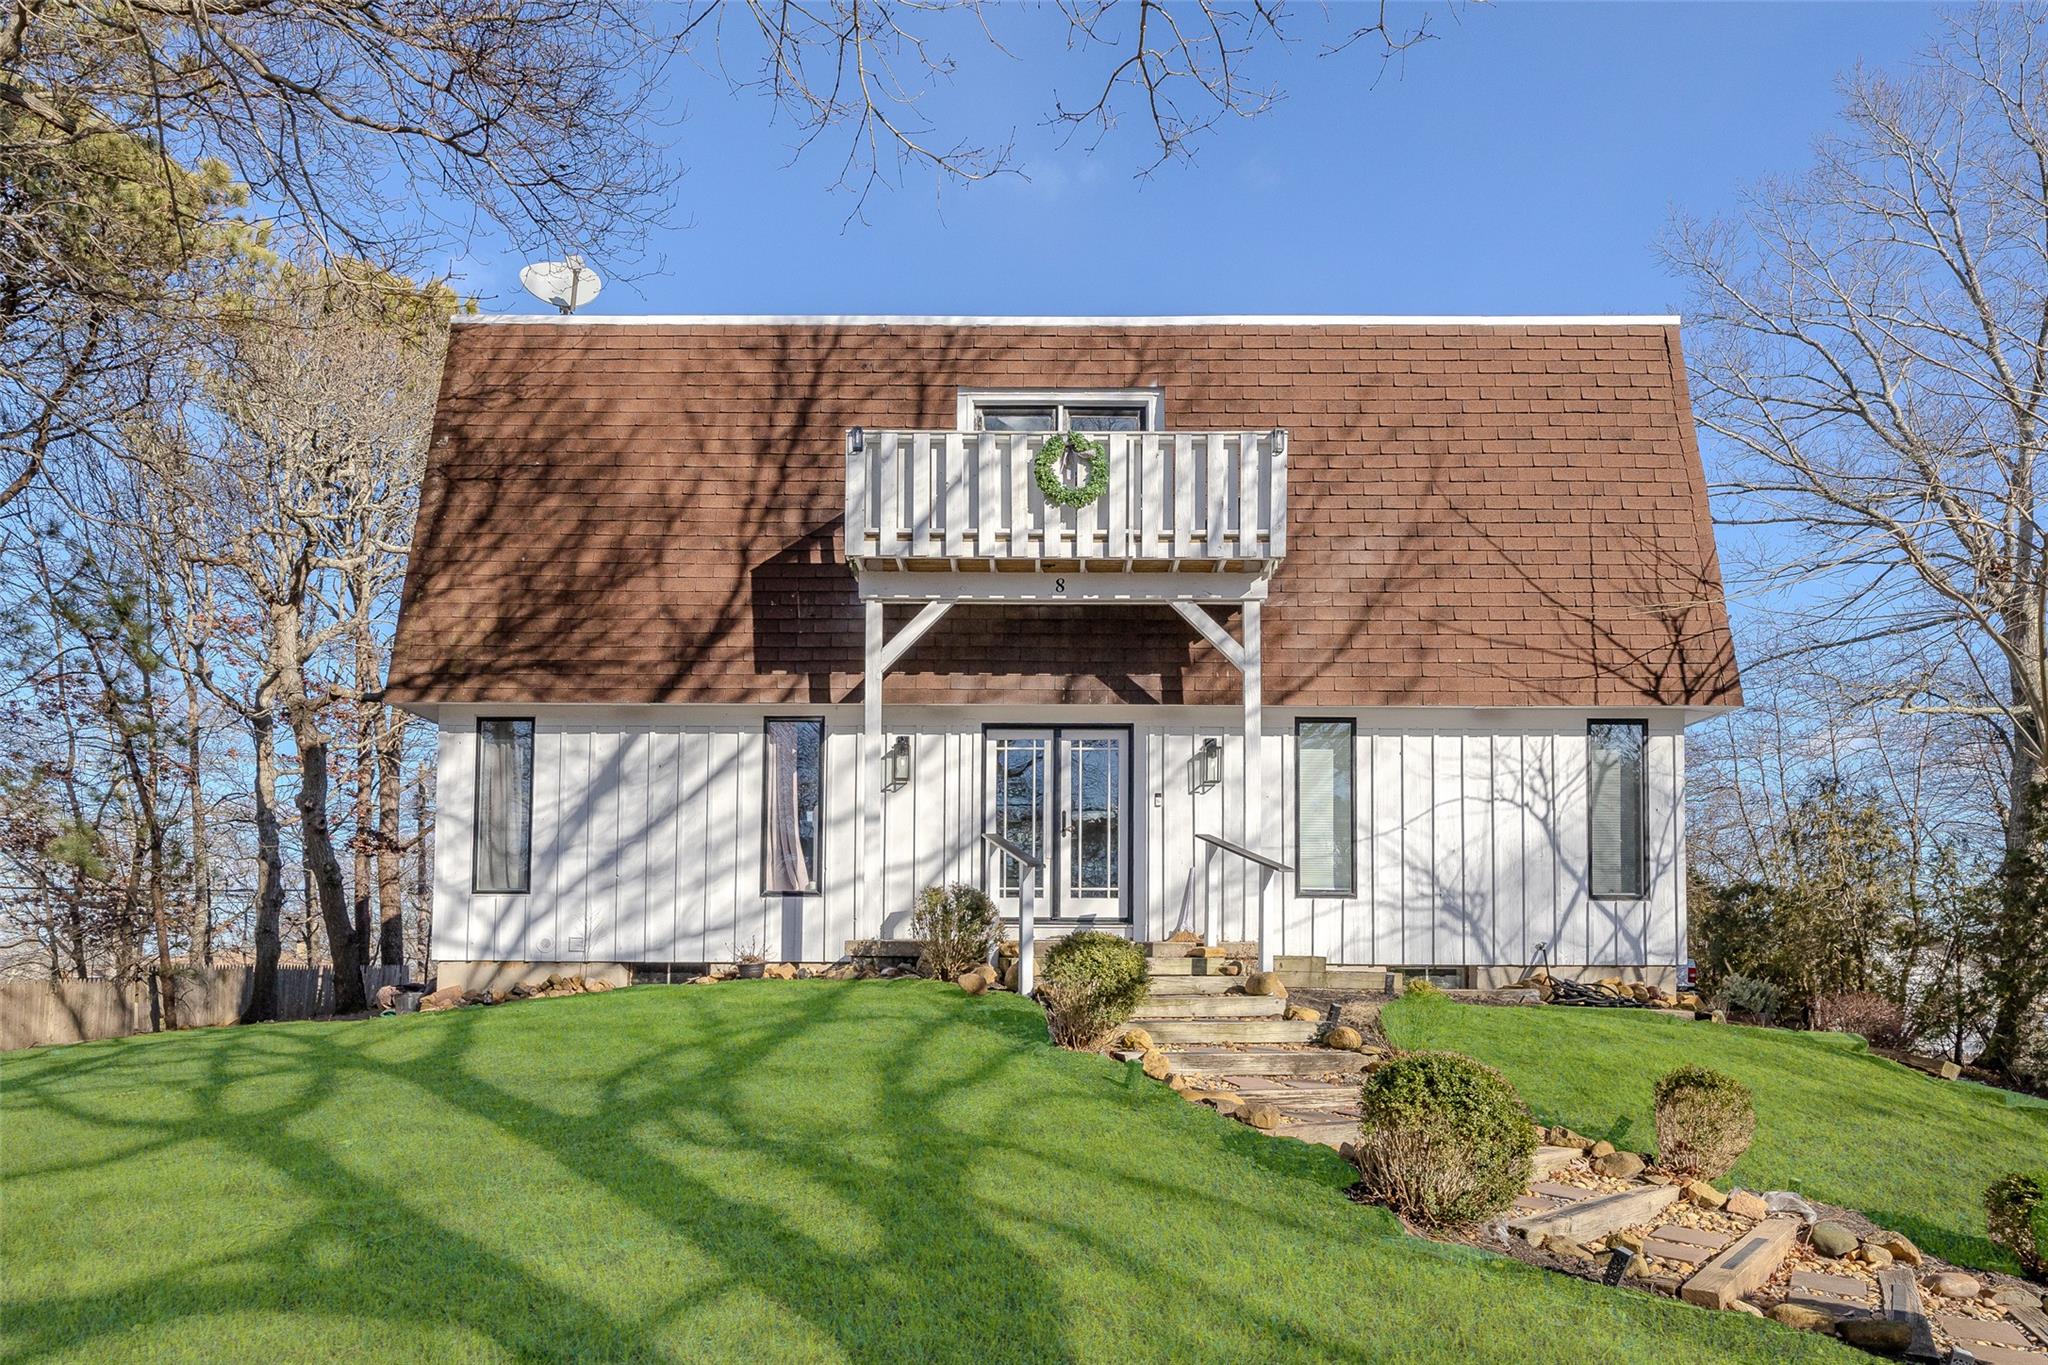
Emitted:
<point x="1747" y="997"/>
<point x="1442" y="1139"/>
<point x="959" y="927"/>
<point x="2016" y="1210"/>
<point x="1420" y="987"/>
<point x="1089" y="985"/>
<point x="1881" y="1020"/>
<point x="1705" y="1121"/>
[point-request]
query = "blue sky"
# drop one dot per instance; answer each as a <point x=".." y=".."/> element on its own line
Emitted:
<point x="1522" y="163"/>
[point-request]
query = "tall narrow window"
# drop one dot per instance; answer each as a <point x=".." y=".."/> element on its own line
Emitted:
<point x="794" y="774"/>
<point x="1614" y="793"/>
<point x="1325" y="853"/>
<point x="503" y="859"/>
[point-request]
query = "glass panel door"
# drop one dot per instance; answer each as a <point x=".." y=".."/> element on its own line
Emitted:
<point x="1020" y="809"/>
<point x="1060" y="794"/>
<point x="1092" y="782"/>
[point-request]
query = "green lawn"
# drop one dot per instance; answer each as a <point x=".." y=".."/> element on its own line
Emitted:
<point x="768" y="1170"/>
<point x="1833" y="1122"/>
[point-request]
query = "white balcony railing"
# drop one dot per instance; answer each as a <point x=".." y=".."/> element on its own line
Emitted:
<point x="1174" y="497"/>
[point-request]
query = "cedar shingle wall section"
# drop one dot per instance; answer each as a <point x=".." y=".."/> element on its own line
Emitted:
<point x="1478" y="516"/>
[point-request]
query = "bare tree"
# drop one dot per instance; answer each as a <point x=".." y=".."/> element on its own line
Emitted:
<point x="1872" y="351"/>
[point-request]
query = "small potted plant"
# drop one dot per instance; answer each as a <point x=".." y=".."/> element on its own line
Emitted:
<point x="752" y="963"/>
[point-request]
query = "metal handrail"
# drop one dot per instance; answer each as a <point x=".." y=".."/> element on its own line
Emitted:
<point x="1029" y="866"/>
<point x="1267" y="868"/>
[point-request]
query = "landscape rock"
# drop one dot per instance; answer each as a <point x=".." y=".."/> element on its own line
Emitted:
<point x="971" y="982"/>
<point x="774" y="971"/>
<point x="1265" y="983"/>
<point x="1700" y="1193"/>
<point x="1566" y="1247"/>
<point x="1954" y="1284"/>
<point x="1619" y="1165"/>
<point x="1303" y="1014"/>
<point x="1222" y="1101"/>
<point x="839" y="971"/>
<point x="1156" y="1066"/>
<point x="1745" y="1306"/>
<point x="1886" y="1336"/>
<point x="1832" y="1239"/>
<point x="1898" y="1244"/>
<point x="1874" y="1256"/>
<point x="1800" y="1316"/>
<point x="2012" y="1296"/>
<point x="1233" y="968"/>
<point x="1176" y="1082"/>
<point x="1261" y="1116"/>
<point x="1138" y="1040"/>
<point x="447" y="998"/>
<point x="1344" y="1038"/>
<point x="1627" y="1237"/>
<point x="1600" y="1149"/>
<point x="987" y="972"/>
<point x="1784" y="1201"/>
<point x="1743" y="1204"/>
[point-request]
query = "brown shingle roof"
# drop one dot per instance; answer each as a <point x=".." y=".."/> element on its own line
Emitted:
<point x="1479" y="515"/>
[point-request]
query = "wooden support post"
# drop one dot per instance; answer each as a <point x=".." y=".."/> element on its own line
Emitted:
<point x="1254" y="806"/>
<point x="871" y="775"/>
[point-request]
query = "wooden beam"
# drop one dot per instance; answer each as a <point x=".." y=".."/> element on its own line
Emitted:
<point x="1205" y="625"/>
<point x="912" y="632"/>
<point x="1094" y="585"/>
<point x="1900" y="1294"/>
<point x="1744" y="1266"/>
<point x="1598" y="1217"/>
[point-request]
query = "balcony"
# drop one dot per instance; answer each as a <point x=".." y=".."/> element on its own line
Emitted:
<point x="1210" y="501"/>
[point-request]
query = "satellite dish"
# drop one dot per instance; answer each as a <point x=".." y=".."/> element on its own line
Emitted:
<point x="567" y="284"/>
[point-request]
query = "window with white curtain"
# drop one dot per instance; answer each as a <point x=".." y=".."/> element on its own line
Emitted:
<point x="794" y="771"/>
<point x="1614" y="792"/>
<point x="503" y="860"/>
<point x="1325" y="844"/>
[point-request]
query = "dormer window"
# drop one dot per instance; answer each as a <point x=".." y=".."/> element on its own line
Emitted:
<point x="1061" y="410"/>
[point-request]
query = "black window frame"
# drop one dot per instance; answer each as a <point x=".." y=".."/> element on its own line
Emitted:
<point x="476" y="807"/>
<point x="1349" y="892"/>
<point x="824" y="787"/>
<point x="1642" y="811"/>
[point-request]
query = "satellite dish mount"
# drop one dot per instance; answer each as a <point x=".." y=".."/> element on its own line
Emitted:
<point x="567" y="284"/>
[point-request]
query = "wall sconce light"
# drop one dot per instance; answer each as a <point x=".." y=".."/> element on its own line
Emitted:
<point x="1207" y="765"/>
<point x="896" y="764"/>
<point x="856" y="440"/>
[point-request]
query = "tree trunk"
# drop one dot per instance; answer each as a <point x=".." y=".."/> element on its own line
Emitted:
<point x="269" y="874"/>
<point x="317" y="838"/>
<point x="202" y="869"/>
<point x="365" y="823"/>
<point x="390" y="876"/>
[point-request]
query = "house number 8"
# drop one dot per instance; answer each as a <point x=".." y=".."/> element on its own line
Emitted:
<point x="1059" y="585"/>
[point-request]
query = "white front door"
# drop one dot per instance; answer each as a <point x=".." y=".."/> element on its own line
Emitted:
<point x="1061" y="793"/>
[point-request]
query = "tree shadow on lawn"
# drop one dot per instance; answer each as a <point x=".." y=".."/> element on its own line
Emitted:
<point x="947" y="1255"/>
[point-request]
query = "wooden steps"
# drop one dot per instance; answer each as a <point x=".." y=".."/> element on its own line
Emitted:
<point x="1193" y="966"/>
<point x="1225" y="1061"/>
<point x="1201" y="1031"/>
<point x="1598" y="1216"/>
<point x="1209" y="1007"/>
<point x="1174" y="987"/>
<point x="1743" y="1266"/>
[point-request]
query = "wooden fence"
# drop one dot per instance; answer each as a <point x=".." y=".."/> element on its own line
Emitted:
<point x="33" y="1013"/>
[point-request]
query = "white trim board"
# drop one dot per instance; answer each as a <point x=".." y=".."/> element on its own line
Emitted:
<point x="982" y="320"/>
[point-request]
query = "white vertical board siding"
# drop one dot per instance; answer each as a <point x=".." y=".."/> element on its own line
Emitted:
<point x="1472" y="837"/>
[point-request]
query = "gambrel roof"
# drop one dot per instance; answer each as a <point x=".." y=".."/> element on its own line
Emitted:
<point x="1494" y="512"/>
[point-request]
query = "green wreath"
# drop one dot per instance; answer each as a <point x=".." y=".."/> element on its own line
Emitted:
<point x="1046" y="469"/>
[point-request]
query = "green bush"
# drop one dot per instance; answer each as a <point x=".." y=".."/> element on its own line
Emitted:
<point x="1748" y="997"/>
<point x="1442" y="1139"/>
<point x="1420" y="987"/>
<point x="2016" y="1208"/>
<point x="959" y="927"/>
<point x="1090" y="983"/>
<point x="1705" y="1121"/>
